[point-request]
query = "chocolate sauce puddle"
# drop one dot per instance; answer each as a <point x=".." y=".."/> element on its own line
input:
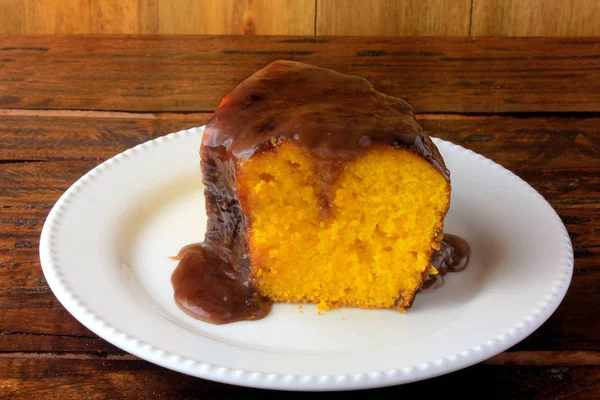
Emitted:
<point x="208" y="288"/>
<point x="453" y="256"/>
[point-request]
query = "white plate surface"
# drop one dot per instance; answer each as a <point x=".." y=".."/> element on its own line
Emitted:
<point x="105" y="246"/>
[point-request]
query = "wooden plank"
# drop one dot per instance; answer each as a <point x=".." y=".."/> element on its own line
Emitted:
<point x="183" y="73"/>
<point x="77" y="17"/>
<point x="577" y="188"/>
<point x="116" y="16"/>
<point x="58" y="135"/>
<point x="54" y="378"/>
<point x="545" y="358"/>
<point x="535" y="18"/>
<point x="177" y="17"/>
<point x="230" y="17"/>
<point x="537" y="142"/>
<point x="393" y="17"/>
<point x="83" y="16"/>
<point x="11" y="17"/>
<point x="40" y="16"/>
<point x="48" y="329"/>
<point x="38" y="183"/>
<point x="55" y="16"/>
<point x="148" y="14"/>
<point x="532" y="142"/>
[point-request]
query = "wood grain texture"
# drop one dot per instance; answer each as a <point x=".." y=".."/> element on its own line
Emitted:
<point x="56" y="16"/>
<point x="84" y="17"/>
<point x="38" y="183"/>
<point x="393" y="17"/>
<point x="60" y="378"/>
<point x="11" y="17"/>
<point x="535" y="18"/>
<point x="148" y="16"/>
<point x="56" y="135"/>
<point x="115" y="17"/>
<point x="234" y="17"/>
<point x="171" y="73"/>
<point x="231" y="17"/>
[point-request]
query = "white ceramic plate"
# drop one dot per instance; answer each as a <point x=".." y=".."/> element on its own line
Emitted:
<point x="105" y="247"/>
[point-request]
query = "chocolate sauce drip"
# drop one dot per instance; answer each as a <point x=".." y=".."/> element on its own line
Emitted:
<point x="211" y="281"/>
<point x="210" y="289"/>
<point x="331" y="116"/>
<point x="453" y="256"/>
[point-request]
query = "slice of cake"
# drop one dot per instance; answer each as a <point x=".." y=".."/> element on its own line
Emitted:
<point x="318" y="189"/>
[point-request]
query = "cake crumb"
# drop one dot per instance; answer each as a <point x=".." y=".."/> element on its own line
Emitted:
<point x="343" y="319"/>
<point x="322" y="306"/>
<point x="300" y="309"/>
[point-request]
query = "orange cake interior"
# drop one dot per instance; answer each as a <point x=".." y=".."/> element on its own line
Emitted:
<point x="371" y="249"/>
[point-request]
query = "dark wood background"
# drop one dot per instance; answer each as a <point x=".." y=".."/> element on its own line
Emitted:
<point x="68" y="103"/>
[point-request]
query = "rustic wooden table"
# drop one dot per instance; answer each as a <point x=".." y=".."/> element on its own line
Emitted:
<point x="68" y="103"/>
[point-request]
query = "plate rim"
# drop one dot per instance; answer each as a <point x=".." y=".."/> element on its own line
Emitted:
<point x="273" y="380"/>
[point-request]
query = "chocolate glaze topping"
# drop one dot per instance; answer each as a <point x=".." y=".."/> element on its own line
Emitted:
<point x="331" y="116"/>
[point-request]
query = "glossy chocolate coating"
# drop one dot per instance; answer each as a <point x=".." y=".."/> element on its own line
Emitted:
<point x="453" y="256"/>
<point x="332" y="116"/>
